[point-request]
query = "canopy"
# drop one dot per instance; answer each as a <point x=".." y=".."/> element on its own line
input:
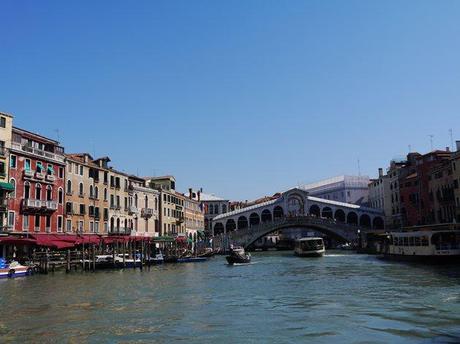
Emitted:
<point x="6" y="186"/>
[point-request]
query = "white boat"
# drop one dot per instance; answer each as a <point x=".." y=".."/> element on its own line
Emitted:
<point x="14" y="269"/>
<point x="309" y="247"/>
<point x="129" y="262"/>
<point x="430" y="246"/>
<point x="158" y="259"/>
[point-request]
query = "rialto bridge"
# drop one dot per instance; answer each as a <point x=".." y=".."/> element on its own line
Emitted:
<point x="296" y="203"/>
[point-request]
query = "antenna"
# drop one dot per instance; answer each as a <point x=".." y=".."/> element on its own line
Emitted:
<point x="359" y="168"/>
<point x="451" y="139"/>
<point x="431" y="141"/>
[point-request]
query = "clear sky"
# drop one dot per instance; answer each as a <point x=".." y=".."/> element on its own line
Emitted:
<point x="243" y="98"/>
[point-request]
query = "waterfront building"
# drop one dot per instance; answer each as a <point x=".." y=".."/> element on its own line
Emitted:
<point x="171" y="209"/>
<point x="414" y="189"/>
<point x="456" y="180"/>
<point x="441" y="188"/>
<point x="143" y="205"/>
<point x="6" y="188"/>
<point x="86" y="208"/>
<point x="194" y="216"/>
<point x="377" y="191"/>
<point x="347" y="189"/>
<point x="37" y="169"/>
<point x="212" y="206"/>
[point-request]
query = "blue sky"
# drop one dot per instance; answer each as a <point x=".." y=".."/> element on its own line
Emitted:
<point x="243" y="98"/>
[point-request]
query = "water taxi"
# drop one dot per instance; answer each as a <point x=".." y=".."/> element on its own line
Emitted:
<point x="309" y="247"/>
<point x="429" y="246"/>
<point x="13" y="269"/>
<point x="238" y="256"/>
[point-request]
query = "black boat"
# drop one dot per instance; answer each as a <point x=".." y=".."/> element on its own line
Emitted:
<point x="238" y="256"/>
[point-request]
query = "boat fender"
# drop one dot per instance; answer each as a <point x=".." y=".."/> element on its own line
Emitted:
<point x="11" y="273"/>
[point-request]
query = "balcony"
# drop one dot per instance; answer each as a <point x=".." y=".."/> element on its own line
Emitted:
<point x="120" y="231"/>
<point x="39" y="175"/>
<point x="29" y="173"/>
<point x="180" y="220"/>
<point x="50" y="205"/>
<point x="132" y="210"/>
<point x="50" y="178"/>
<point x="32" y="203"/>
<point x="147" y="212"/>
<point x="69" y="192"/>
<point x="38" y="152"/>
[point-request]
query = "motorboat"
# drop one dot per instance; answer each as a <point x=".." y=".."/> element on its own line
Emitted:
<point x="158" y="259"/>
<point x="104" y="261"/>
<point x="208" y="252"/>
<point x="427" y="245"/>
<point x="128" y="261"/>
<point x="13" y="269"/>
<point x="309" y="247"/>
<point x="238" y="256"/>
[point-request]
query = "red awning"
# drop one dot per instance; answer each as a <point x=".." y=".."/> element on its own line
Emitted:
<point x="17" y="241"/>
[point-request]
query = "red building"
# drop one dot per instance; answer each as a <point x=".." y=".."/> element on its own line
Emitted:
<point x="37" y="168"/>
<point x="417" y="205"/>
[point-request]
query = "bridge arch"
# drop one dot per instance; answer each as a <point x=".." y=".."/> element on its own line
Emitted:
<point x="254" y="219"/>
<point x="266" y="216"/>
<point x="218" y="228"/>
<point x="365" y="221"/>
<point x="230" y="226"/>
<point x="352" y="218"/>
<point x="327" y="212"/>
<point x="242" y="222"/>
<point x="339" y="215"/>
<point x="278" y="212"/>
<point x="315" y="210"/>
<point x="377" y="223"/>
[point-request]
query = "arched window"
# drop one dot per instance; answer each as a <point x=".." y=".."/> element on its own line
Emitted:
<point x="13" y="182"/>
<point x="60" y="196"/>
<point x="26" y="190"/>
<point x="105" y="194"/>
<point x="96" y="192"/>
<point x="38" y="191"/>
<point x="91" y="191"/>
<point x="49" y="193"/>
<point x="135" y="200"/>
<point x="80" y="190"/>
<point x="69" y="187"/>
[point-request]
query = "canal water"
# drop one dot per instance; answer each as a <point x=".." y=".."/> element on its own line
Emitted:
<point x="343" y="298"/>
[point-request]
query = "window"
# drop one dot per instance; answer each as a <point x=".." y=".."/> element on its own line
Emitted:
<point x="3" y="122"/>
<point x="82" y="209"/>
<point x="80" y="190"/>
<point x="11" y="215"/>
<point x="96" y="192"/>
<point x="69" y="167"/>
<point x="76" y="169"/>
<point x="48" y="223"/>
<point x="59" y="223"/>
<point x="68" y="208"/>
<point x="27" y="165"/>
<point x="106" y="214"/>
<point x="69" y="187"/>
<point x="96" y="227"/>
<point x="81" y="170"/>
<point x="105" y="194"/>
<point x="2" y="169"/>
<point x="91" y="227"/>
<point x="50" y="170"/>
<point x="39" y="167"/>
<point x="61" y="172"/>
<point x="38" y="191"/>
<point x="25" y="223"/>
<point x="26" y="190"/>
<point x="60" y="196"/>
<point x="68" y="225"/>
<point x="37" y="223"/>
<point x="49" y="193"/>
<point x="13" y="182"/>
<point x="118" y="201"/>
<point x="91" y="191"/>
<point x="13" y="161"/>
<point x="106" y="227"/>
<point x="80" y="226"/>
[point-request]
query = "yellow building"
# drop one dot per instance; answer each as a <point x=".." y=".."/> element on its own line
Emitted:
<point x="6" y="127"/>
<point x="194" y="217"/>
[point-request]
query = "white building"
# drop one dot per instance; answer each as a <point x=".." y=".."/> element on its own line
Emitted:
<point x="347" y="189"/>
<point x="212" y="206"/>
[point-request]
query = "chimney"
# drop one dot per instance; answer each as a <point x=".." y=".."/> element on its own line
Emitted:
<point x="199" y="195"/>
<point x="190" y="193"/>
<point x="458" y="145"/>
<point x="380" y="172"/>
<point x="447" y="149"/>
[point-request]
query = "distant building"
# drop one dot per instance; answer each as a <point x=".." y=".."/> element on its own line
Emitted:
<point x="441" y="187"/>
<point x="7" y="185"/>
<point x="348" y="189"/>
<point x="212" y="206"/>
<point x="456" y="180"/>
<point x="194" y="216"/>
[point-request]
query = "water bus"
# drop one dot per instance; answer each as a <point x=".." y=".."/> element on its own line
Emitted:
<point x="427" y="244"/>
<point x="309" y="247"/>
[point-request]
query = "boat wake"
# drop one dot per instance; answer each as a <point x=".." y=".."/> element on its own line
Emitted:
<point x="242" y="264"/>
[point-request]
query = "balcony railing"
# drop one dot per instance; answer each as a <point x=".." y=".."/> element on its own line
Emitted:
<point x="32" y="203"/>
<point x="50" y="178"/>
<point x="50" y="205"/>
<point x="120" y="231"/>
<point x="132" y="210"/>
<point x="29" y="173"/>
<point x="39" y="175"/>
<point x="147" y="212"/>
<point x="41" y="153"/>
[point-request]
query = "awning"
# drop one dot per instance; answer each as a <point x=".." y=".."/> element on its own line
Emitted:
<point x="7" y="186"/>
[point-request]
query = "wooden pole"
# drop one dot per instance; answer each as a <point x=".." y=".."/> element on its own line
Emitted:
<point x="124" y="253"/>
<point x="142" y="254"/>
<point x="68" y="261"/>
<point x="94" y="257"/>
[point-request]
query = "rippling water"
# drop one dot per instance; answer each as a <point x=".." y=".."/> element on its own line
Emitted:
<point x="279" y="298"/>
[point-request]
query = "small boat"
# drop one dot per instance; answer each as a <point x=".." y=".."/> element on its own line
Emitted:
<point x="128" y="261"/>
<point x="238" y="256"/>
<point x="425" y="245"/>
<point x="158" y="259"/>
<point x="191" y="259"/>
<point x="207" y="253"/>
<point x="309" y="247"/>
<point x="104" y="261"/>
<point x="13" y="269"/>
